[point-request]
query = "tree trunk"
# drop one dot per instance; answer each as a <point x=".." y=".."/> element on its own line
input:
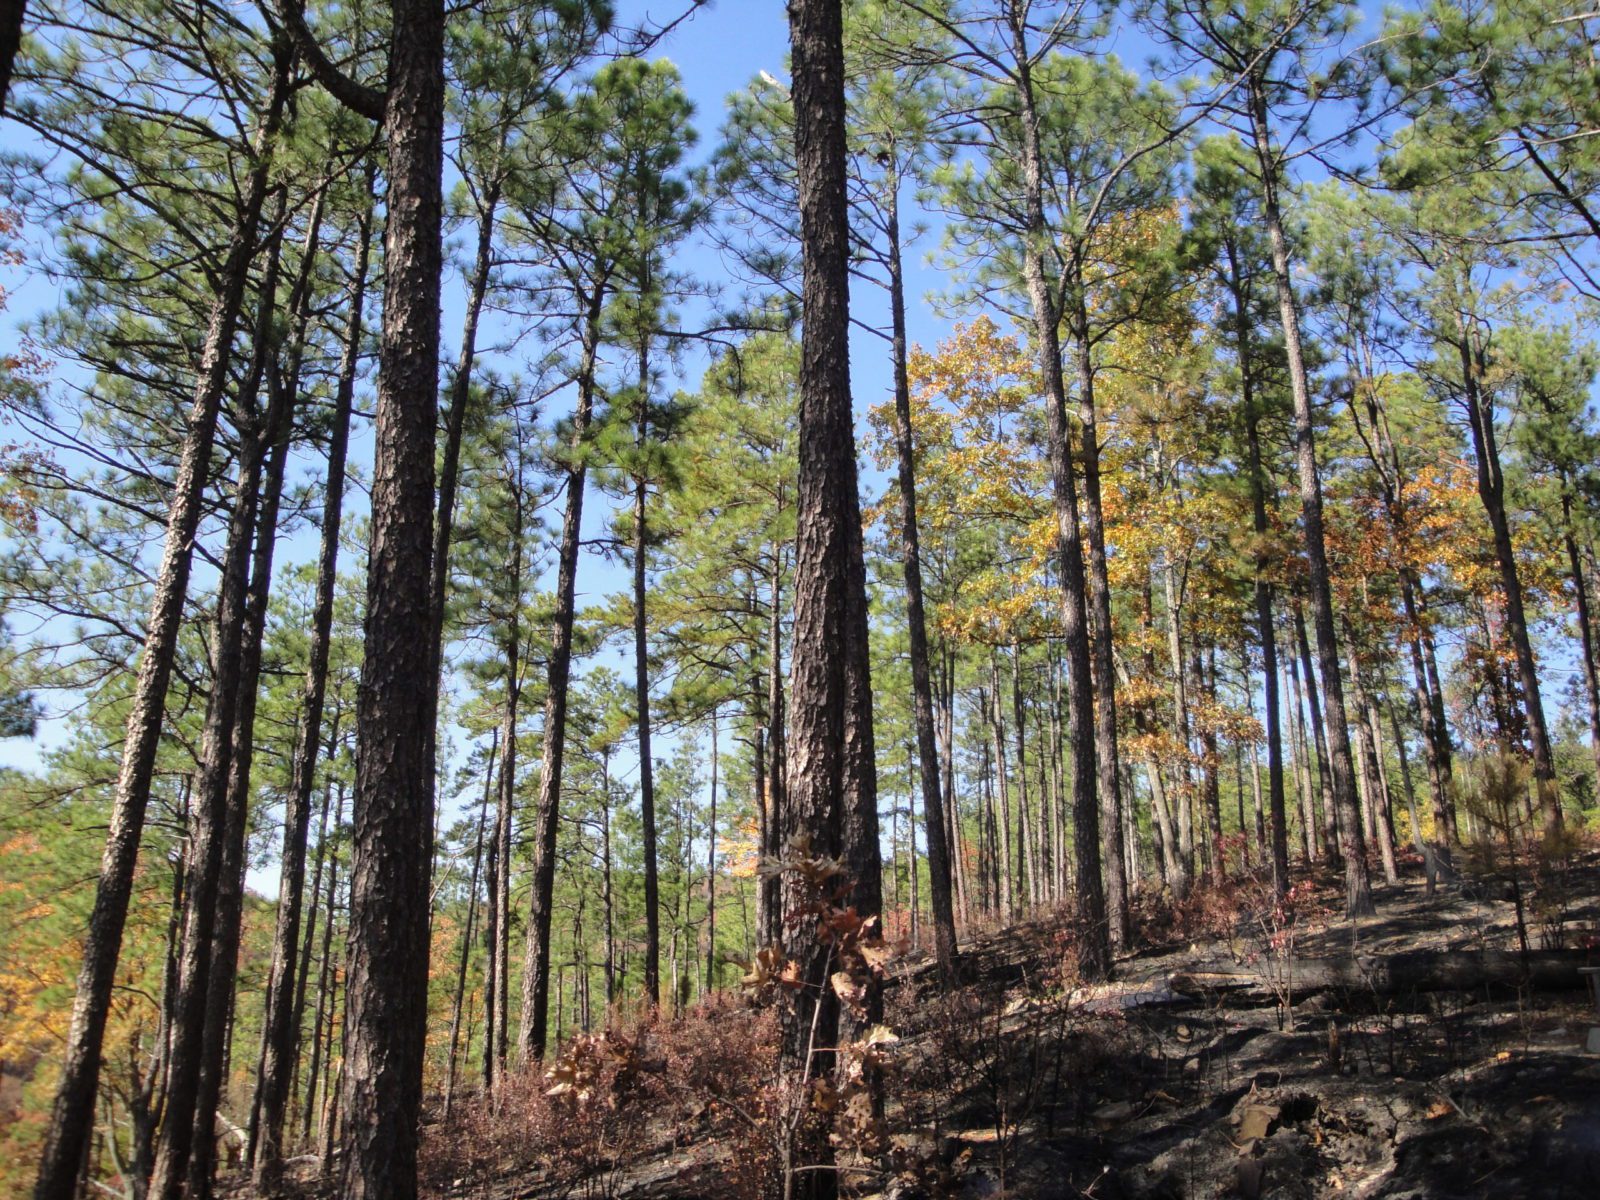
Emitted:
<point x="641" y="698"/>
<point x="392" y="851"/>
<point x="1095" y="947"/>
<point x="1180" y="720"/>
<point x="609" y="898"/>
<point x="323" y="860"/>
<point x="1393" y="974"/>
<point x="711" y="868"/>
<point x="1107" y="756"/>
<point x="1309" y="842"/>
<point x="831" y="792"/>
<point x="1580" y="589"/>
<point x="1263" y="590"/>
<point x="500" y="973"/>
<point x="326" y="1000"/>
<point x="1211" y="768"/>
<point x="284" y="391"/>
<point x="281" y="1030"/>
<point x="72" y="1115"/>
<point x="769" y="902"/>
<point x="1377" y="794"/>
<point x="1004" y="874"/>
<point x="1330" y="815"/>
<point x="944" y="921"/>
<point x="204" y="872"/>
<point x="1492" y="491"/>
<point x="536" y="948"/>
<point x="1358" y="887"/>
<point x="466" y="934"/>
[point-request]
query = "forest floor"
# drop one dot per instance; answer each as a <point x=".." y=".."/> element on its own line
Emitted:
<point x="1176" y="1079"/>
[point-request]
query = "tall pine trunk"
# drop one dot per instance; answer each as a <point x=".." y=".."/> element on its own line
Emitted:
<point x="534" y="1016"/>
<point x="1265" y="625"/>
<point x="831" y="790"/>
<point x="641" y="688"/>
<point x="1492" y="492"/>
<point x="1108" y="762"/>
<point x="1358" y="886"/>
<point x="209" y="815"/>
<point x="944" y="920"/>
<point x="392" y="849"/>
<point x="1095" y="947"/>
<point x="280" y="1031"/>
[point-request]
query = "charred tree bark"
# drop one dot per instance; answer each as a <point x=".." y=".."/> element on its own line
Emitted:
<point x="831" y="795"/>
<point x="392" y="850"/>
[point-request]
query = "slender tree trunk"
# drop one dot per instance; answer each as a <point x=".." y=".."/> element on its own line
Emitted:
<point x="500" y="975"/>
<point x="326" y="1000"/>
<point x="1095" y="947"/>
<point x="641" y="697"/>
<point x="205" y="869"/>
<point x="610" y="901"/>
<point x="1492" y="491"/>
<point x="1382" y="828"/>
<point x="72" y="1116"/>
<point x="531" y="1031"/>
<point x="1180" y="720"/>
<point x="216" y="1050"/>
<point x="1174" y="871"/>
<point x="944" y="921"/>
<point x="1580" y="590"/>
<point x="454" y="425"/>
<point x="494" y="953"/>
<point x="711" y="868"/>
<point x="1330" y="815"/>
<point x="1358" y="887"/>
<point x="1429" y="703"/>
<point x="305" y="953"/>
<point x="1385" y="792"/>
<point x="466" y="934"/>
<point x="1025" y="825"/>
<point x="1310" y="841"/>
<point x="281" y="1029"/>
<point x="1405" y="780"/>
<point x="1004" y="873"/>
<point x="1428" y="697"/>
<point x="1264" y="615"/>
<point x="1107" y="755"/>
<point x="769" y="903"/>
<point x="1210" y="770"/>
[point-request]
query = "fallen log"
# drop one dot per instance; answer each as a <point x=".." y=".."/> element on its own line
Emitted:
<point x="1390" y="974"/>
